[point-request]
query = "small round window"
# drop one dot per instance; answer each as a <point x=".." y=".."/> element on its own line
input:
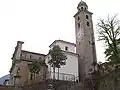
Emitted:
<point x="88" y="24"/>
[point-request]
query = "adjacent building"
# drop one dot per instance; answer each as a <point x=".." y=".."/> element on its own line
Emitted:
<point x="20" y="73"/>
<point x="71" y="67"/>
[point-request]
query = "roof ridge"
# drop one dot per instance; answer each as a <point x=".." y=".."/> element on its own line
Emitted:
<point x="63" y="41"/>
<point x="33" y="52"/>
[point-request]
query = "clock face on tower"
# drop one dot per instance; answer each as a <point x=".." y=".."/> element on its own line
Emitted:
<point x="80" y="35"/>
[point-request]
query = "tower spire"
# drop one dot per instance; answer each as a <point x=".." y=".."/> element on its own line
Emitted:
<point x="82" y="5"/>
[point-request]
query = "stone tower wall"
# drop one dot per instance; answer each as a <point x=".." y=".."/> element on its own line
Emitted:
<point x="85" y="43"/>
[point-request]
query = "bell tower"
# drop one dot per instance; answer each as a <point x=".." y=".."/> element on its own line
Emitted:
<point x="85" y="43"/>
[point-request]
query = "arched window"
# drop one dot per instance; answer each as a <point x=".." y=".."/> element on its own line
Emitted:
<point x="87" y="17"/>
<point x="78" y="18"/>
<point x="66" y="48"/>
<point x="81" y="8"/>
<point x="78" y="25"/>
<point x="30" y="56"/>
<point x="89" y="42"/>
<point x="88" y="24"/>
<point x="18" y="70"/>
<point x="31" y="76"/>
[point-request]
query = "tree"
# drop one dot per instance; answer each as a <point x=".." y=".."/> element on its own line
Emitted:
<point x="58" y="58"/>
<point x="109" y="31"/>
<point x="110" y="54"/>
<point x="35" y="66"/>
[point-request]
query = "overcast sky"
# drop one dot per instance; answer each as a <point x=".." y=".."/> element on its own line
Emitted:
<point x="39" y="22"/>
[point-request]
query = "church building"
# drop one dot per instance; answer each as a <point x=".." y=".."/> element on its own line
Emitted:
<point x="80" y="55"/>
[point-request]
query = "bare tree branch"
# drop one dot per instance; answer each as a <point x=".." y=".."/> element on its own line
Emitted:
<point x="109" y="32"/>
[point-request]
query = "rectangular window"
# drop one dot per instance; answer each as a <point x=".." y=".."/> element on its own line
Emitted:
<point x="89" y="42"/>
<point x="66" y="48"/>
<point x="18" y="70"/>
<point x="78" y="25"/>
<point x="31" y="76"/>
<point x="87" y="17"/>
<point x="30" y="56"/>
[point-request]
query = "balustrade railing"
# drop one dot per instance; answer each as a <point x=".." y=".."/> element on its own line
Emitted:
<point x="49" y="76"/>
<point x="61" y="76"/>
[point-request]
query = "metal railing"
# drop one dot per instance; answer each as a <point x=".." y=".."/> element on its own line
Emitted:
<point x="49" y="76"/>
<point x="60" y="76"/>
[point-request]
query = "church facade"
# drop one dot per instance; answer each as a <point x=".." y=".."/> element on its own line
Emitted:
<point x="71" y="67"/>
<point x="80" y="55"/>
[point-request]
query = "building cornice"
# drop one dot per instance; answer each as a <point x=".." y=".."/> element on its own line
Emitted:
<point x="71" y="53"/>
<point x="82" y="11"/>
<point x="33" y="52"/>
<point x="68" y="53"/>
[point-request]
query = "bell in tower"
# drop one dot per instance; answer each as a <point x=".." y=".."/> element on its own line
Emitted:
<point x="85" y="46"/>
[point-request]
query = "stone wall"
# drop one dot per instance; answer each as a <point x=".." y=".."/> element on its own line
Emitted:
<point x="110" y="81"/>
<point x="40" y="86"/>
<point x="3" y="87"/>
